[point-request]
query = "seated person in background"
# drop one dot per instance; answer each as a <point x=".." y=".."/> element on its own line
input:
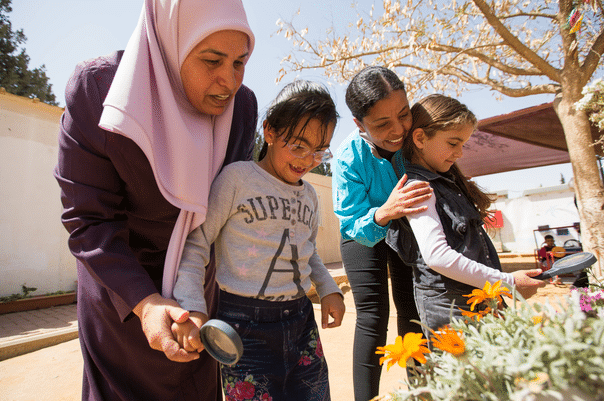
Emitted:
<point x="557" y="252"/>
<point x="549" y="245"/>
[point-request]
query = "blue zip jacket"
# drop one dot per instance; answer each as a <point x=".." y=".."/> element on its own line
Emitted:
<point x="362" y="182"/>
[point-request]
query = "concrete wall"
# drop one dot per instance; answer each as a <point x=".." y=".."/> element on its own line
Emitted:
<point x="33" y="242"/>
<point x="328" y="238"/>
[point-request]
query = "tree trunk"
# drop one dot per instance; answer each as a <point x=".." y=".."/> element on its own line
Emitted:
<point x="588" y="185"/>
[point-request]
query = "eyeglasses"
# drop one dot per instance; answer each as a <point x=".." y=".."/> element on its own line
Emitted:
<point x="300" y="151"/>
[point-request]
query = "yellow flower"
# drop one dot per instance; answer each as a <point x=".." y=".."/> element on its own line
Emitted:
<point x="488" y="292"/>
<point x="536" y="384"/>
<point x="538" y="320"/>
<point x="411" y="346"/>
<point x="449" y="340"/>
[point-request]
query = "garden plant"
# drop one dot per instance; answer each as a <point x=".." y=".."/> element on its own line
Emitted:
<point x="550" y="351"/>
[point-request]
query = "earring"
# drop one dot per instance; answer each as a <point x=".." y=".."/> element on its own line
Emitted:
<point x="270" y="143"/>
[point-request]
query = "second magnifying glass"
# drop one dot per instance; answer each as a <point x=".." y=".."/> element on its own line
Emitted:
<point x="571" y="264"/>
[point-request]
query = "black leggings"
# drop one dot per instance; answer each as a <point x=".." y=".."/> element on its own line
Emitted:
<point x="367" y="272"/>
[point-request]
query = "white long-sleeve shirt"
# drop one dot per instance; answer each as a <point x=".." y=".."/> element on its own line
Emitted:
<point x="440" y="257"/>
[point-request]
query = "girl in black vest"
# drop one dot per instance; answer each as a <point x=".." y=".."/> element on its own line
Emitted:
<point x="447" y="246"/>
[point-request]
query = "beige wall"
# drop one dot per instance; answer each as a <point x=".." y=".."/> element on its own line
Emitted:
<point x="33" y="242"/>
<point x="328" y="238"/>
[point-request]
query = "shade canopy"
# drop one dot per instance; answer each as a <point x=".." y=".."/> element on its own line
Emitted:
<point x="526" y="138"/>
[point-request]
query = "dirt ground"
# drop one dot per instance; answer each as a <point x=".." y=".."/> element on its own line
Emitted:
<point x="511" y="263"/>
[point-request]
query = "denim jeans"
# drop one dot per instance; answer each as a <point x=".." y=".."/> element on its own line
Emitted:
<point x="282" y="353"/>
<point x="367" y="272"/>
<point x="434" y="306"/>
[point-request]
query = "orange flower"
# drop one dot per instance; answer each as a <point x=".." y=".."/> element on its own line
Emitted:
<point x="478" y="315"/>
<point x="449" y="340"/>
<point x="488" y="292"/>
<point x="412" y="346"/>
<point x="477" y="296"/>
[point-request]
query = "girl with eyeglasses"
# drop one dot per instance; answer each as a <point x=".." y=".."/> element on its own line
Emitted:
<point x="264" y="225"/>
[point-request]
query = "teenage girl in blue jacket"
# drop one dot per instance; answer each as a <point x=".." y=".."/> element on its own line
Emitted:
<point x="367" y="195"/>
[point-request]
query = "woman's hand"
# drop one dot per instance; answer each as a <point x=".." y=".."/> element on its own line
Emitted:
<point x="402" y="199"/>
<point x="157" y="314"/>
<point x="525" y="284"/>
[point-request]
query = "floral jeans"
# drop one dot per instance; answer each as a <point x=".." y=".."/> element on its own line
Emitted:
<point x="282" y="353"/>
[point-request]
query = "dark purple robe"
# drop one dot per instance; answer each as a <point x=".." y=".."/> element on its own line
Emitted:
<point x="120" y="226"/>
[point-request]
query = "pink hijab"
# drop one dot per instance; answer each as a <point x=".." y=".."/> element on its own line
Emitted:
<point x="147" y="103"/>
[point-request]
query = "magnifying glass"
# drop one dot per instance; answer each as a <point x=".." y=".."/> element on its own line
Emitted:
<point x="221" y="341"/>
<point x="569" y="264"/>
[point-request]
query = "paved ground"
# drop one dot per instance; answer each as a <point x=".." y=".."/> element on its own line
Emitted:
<point x="40" y="357"/>
<point x="24" y="332"/>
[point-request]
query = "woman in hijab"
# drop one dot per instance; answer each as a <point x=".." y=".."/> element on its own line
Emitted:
<point x="144" y="133"/>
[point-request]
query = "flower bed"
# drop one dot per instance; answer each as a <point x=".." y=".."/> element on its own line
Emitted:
<point x="24" y="301"/>
<point x="37" y="302"/>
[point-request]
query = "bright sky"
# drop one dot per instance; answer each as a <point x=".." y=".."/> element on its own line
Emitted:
<point x="60" y="33"/>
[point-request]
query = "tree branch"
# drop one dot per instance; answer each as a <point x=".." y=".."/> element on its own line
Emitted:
<point x="488" y="60"/>
<point x="551" y="72"/>
<point x="550" y="88"/>
<point x="592" y="60"/>
<point x="531" y="15"/>
<point x="429" y="47"/>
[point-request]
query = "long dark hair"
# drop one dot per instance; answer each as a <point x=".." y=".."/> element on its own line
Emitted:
<point x="435" y="113"/>
<point x="368" y="87"/>
<point x="298" y="101"/>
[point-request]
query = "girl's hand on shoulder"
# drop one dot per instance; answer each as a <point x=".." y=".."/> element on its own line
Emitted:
<point x="525" y="284"/>
<point x="402" y="201"/>
<point x="332" y="305"/>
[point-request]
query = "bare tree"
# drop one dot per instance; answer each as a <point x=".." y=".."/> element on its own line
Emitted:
<point x="515" y="47"/>
<point x="15" y="75"/>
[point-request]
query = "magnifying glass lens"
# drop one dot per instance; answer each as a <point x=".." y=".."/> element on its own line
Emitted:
<point x="221" y="341"/>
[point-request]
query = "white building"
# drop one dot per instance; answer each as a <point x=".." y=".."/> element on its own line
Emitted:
<point x="536" y="208"/>
<point x="33" y="242"/>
